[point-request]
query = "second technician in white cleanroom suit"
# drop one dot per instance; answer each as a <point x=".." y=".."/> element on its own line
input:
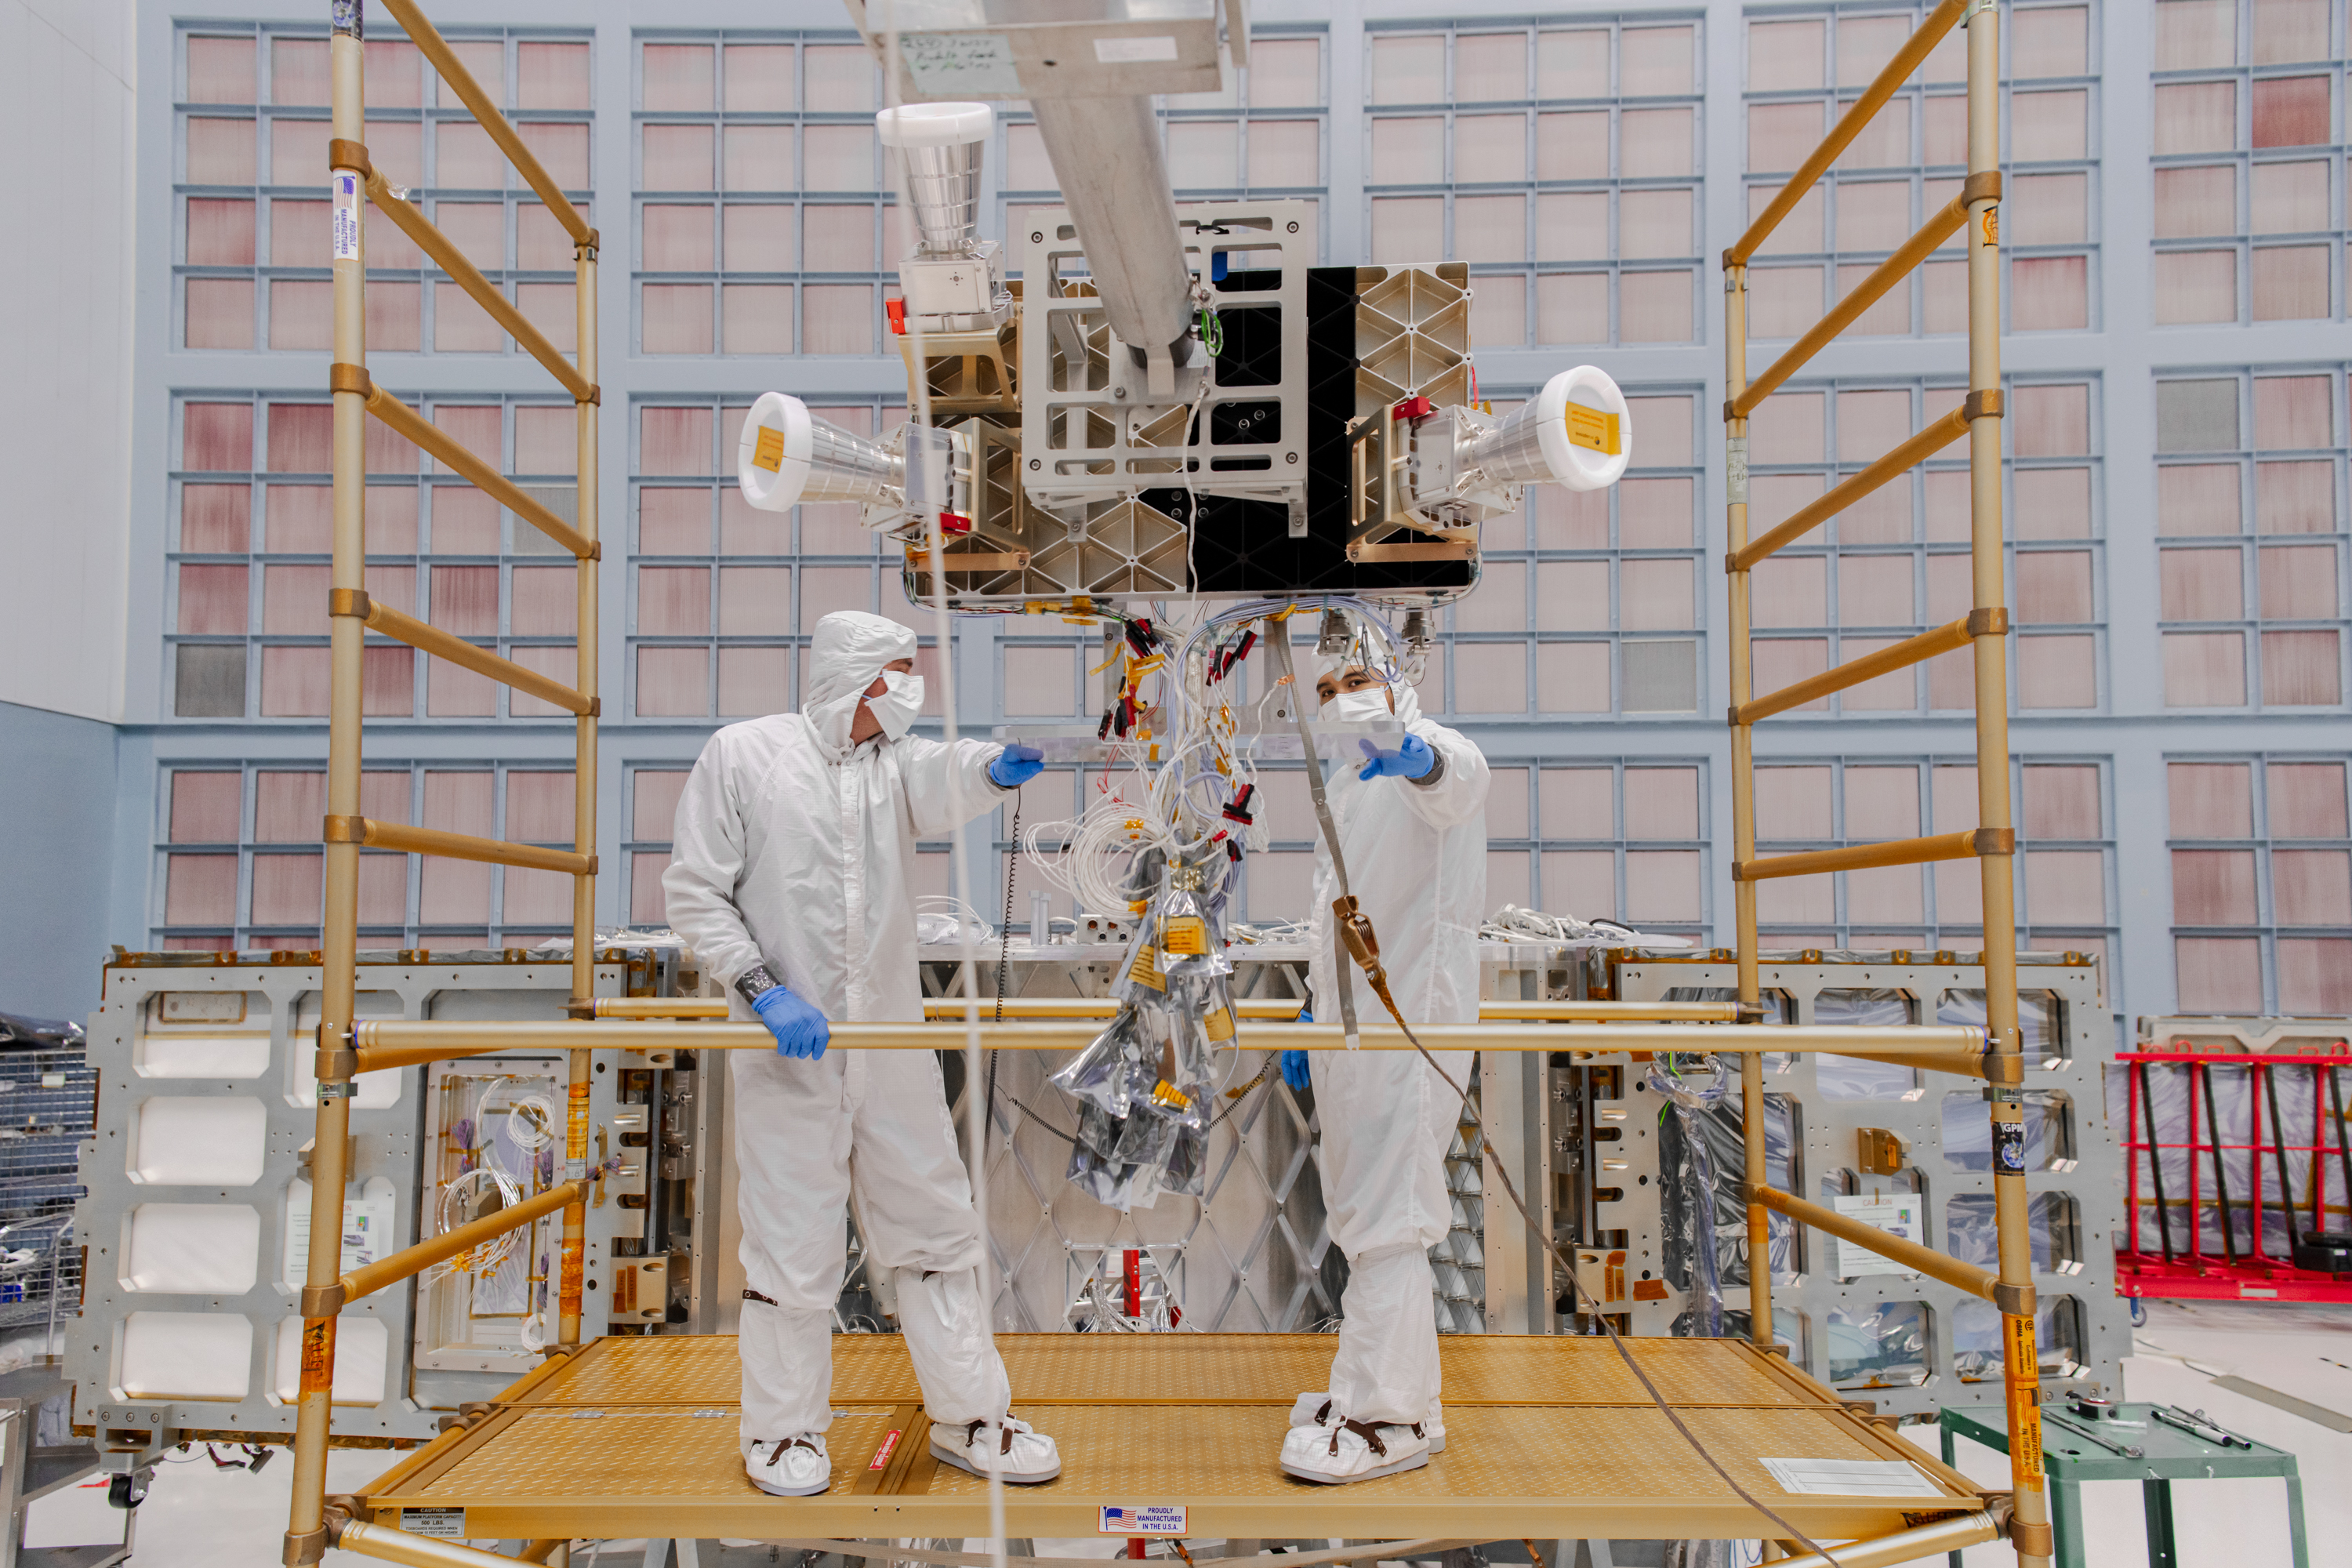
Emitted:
<point x="788" y="877"/>
<point x="1413" y="829"/>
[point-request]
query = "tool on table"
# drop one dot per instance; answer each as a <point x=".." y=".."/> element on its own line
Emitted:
<point x="2198" y="1425"/>
<point x="2127" y="1450"/>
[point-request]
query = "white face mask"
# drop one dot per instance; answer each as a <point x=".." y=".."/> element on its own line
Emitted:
<point x="1366" y="707"/>
<point x="901" y="700"/>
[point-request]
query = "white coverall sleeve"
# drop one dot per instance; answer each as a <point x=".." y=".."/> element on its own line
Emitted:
<point x="706" y="861"/>
<point x="1460" y="793"/>
<point x="932" y="770"/>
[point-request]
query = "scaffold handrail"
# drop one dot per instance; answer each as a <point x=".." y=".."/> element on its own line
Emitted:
<point x="378" y="616"/>
<point x="433" y="47"/>
<point x="1975" y="842"/>
<point x="391" y="1269"/>
<point x="1914" y="650"/>
<point x="1268" y="1011"/>
<point x="1863" y="295"/>
<point x="466" y="275"/>
<point x="1858" y="114"/>
<point x="449" y="846"/>
<point x="420" y="432"/>
<point x="1937" y="1265"/>
<point x="380" y="1043"/>
<point x="1932" y="438"/>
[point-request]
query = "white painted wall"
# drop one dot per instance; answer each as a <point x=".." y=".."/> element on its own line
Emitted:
<point x="67" y="82"/>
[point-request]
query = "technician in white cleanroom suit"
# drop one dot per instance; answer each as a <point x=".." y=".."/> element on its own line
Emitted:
<point x="1412" y="829"/>
<point x="794" y="839"/>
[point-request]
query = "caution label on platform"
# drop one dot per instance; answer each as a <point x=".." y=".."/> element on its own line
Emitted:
<point x="1148" y="1519"/>
<point x="434" y="1523"/>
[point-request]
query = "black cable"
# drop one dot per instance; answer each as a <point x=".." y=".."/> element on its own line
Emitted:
<point x="1487" y="1147"/>
<point x="1367" y="957"/>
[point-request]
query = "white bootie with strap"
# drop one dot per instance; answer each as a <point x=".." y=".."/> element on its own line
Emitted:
<point x="1315" y="1410"/>
<point x="1343" y="1450"/>
<point x="1011" y="1448"/>
<point x="790" y="1467"/>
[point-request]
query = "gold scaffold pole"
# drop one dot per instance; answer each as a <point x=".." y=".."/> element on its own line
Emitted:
<point x="327" y="1288"/>
<point x="1975" y="216"/>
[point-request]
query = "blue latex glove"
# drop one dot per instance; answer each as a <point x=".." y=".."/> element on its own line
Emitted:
<point x="1410" y="761"/>
<point x="799" y="1029"/>
<point x="1016" y="765"/>
<point x="1294" y="1063"/>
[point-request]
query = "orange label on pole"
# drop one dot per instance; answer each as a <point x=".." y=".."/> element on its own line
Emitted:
<point x="2022" y="1358"/>
<point x="318" y="1356"/>
<point x="1992" y="225"/>
<point x="568" y="1287"/>
<point x="576" y="1132"/>
<point x="2025" y="1439"/>
<point x="2023" y="1371"/>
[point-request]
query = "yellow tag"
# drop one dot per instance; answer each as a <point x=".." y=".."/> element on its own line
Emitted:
<point x="1168" y="1094"/>
<point x="770" y="453"/>
<point x="1595" y="428"/>
<point x="1219" y="1025"/>
<point x="1186" y="934"/>
<point x="318" y="1355"/>
<point x="1145" y="971"/>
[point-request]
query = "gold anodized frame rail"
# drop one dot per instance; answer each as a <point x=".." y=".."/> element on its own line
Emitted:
<point x="1268" y="1012"/>
<point x="422" y="432"/>
<point x="1866" y="856"/>
<point x="370" y="1277"/>
<point x="466" y="275"/>
<point x="1934" y="1265"/>
<point x="1854" y="671"/>
<point x="1865" y="109"/>
<point x="1848" y="310"/>
<point x="427" y="639"/>
<point x="1975" y="215"/>
<point x="377" y="835"/>
<point x="1931" y="439"/>
<point x="433" y="47"/>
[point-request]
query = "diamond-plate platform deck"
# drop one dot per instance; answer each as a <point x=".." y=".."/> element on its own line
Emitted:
<point x="1180" y="1369"/>
<point x="1547" y="1438"/>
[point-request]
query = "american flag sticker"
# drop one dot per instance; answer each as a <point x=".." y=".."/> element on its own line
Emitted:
<point x="1151" y="1519"/>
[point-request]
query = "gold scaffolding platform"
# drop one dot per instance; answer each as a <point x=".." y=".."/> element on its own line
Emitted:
<point x="1546" y="1437"/>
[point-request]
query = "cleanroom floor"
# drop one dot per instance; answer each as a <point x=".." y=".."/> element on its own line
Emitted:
<point x="1548" y="1438"/>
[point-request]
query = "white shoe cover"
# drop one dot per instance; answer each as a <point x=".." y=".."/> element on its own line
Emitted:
<point x="1345" y="1451"/>
<point x="790" y="1467"/>
<point x="1016" y="1450"/>
<point x="1315" y="1410"/>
